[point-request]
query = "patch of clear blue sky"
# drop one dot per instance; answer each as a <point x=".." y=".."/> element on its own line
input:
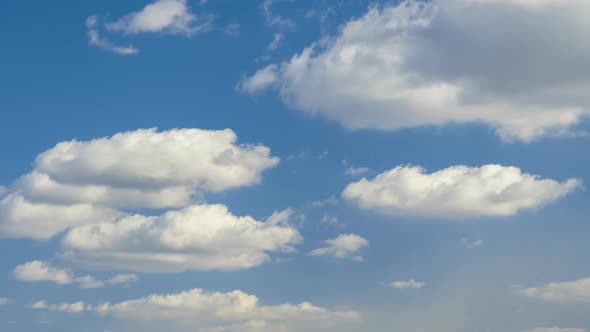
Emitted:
<point x="54" y="87"/>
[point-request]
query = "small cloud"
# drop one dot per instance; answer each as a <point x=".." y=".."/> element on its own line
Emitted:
<point x="469" y="244"/>
<point x="342" y="247"/>
<point x="4" y="301"/>
<point x="232" y="30"/>
<point x="163" y="16"/>
<point x="407" y="284"/>
<point x="332" y="200"/>
<point x="37" y="271"/>
<point x="39" y="305"/>
<point x="262" y="80"/>
<point x="276" y="42"/>
<point x="356" y="171"/>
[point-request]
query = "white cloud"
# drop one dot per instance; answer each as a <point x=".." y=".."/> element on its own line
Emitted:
<point x="95" y="39"/>
<point x="82" y="182"/>
<point x="577" y="291"/>
<point x="439" y="62"/>
<point x="123" y="279"/>
<point x="471" y="244"/>
<point x="39" y="305"/>
<point x="261" y="80"/>
<point x="20" y="217"/>
<point x="343" y="246"/>
<point x="215" y="311"/>
<point x="276" y="41"/>
<point x="222" y="310"/>
<point x="356" y="171"/>
<point x="275" y="20"/>
<point x="37" y="271"/>
<point x="4" y="301"/>
<point x="407" y="284"/>
<point x="166" y="16"/>
<point x="457" y="191"/>
<point x="42" y="271"/>
<point x="198" y="237"/>
<point x="232" y="30"/>
<point x="554" y="329"/>
<point x="73" y="308"/>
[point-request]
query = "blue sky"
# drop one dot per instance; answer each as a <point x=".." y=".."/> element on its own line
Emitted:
<point x="317" y="166"/>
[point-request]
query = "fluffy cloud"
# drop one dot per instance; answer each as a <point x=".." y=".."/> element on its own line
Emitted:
<point x="41" y="271"/>
<point x="214" y="311"/>
<point x="432" y="63"/>
<point x="457" y="191"/>
<point x="167" y="16"/>
<point x="343" y="246"/>
<point x="577" y="291"/>
<point x="83" y="182"/>
<point x="36" y="271"/>
<point x="554" y="329"/>
<point x="198" y="237"/>
<point x="20" y="217"/>
<point x="4" y="301"/>
<point x="405" y="284"/>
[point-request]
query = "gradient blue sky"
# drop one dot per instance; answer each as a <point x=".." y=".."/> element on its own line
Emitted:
<point x="55" y="86"/>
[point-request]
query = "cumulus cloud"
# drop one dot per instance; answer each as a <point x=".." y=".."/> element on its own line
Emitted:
<point x="407" y="284"/>
<point x="198" y="237"/>
<point x="166" y="16"/>
<point x="343" y="246"/>
<point x="433" y="63"/>
<point x="84" y="182"/>
<point x="457" y="191"/>
<point x="37" y="271"/>
<point x="554" y="329"/>
<point x="42" y="271"/>
<point x="4" y="301"/>
<point x="20" y="217"/>
<point x="577" y="291"/>
<point x="216" y="311"/>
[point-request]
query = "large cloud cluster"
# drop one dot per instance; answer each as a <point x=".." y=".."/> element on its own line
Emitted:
<point x="90" y="189"/>
<point x="437" y="62"/>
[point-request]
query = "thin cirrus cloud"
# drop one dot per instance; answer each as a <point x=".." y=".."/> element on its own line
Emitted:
<point x="37" y="271"/>
<point x="342" y="247"/>
<point x="86" y="182"/>
<point x="217" y="311"/>
<point x="96" y="39"/>
<point x="577" y="291"/>
<point x="198" y="237"/>
<point x="457" y="191"/>
<point x="433" y="63"/>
